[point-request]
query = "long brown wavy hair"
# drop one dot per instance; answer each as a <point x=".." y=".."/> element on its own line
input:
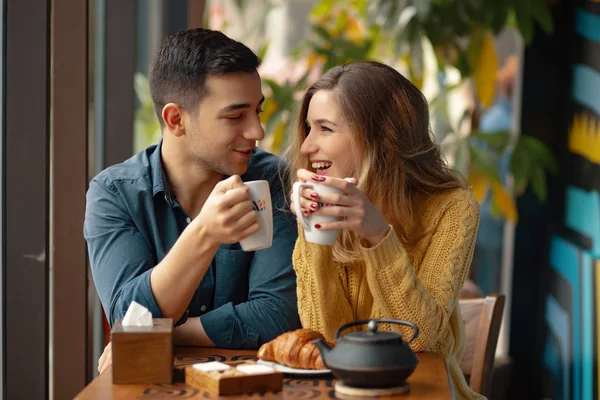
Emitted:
<point x="389" y="120"/>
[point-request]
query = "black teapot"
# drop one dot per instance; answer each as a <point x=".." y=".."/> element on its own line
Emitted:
<point x="372" y="358"/>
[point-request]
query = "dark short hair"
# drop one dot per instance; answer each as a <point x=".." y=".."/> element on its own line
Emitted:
<point x="184" y="61"/>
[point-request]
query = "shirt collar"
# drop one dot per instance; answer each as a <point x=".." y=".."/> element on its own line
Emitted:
<point x="159" y="181"/>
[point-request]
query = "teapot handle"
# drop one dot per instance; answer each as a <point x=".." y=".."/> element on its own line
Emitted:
<point x="376" y="321"/>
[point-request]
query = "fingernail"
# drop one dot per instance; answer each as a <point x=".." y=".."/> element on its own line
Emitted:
<point x="321" y="179"/>
<point x="316" y="178"/>
<point x="314" y="195"/>
<point x="317" y="226"/>
<point x="306" y="212"/>
<point x="313" y="206"/>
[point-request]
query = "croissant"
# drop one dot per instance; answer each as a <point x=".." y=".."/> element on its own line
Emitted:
<point x="294" y="349"/>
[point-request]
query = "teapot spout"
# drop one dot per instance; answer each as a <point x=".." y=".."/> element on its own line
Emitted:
<point x="324" y="348"/>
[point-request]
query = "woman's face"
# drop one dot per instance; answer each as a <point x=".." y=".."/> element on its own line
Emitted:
<point x="329" y="141"/>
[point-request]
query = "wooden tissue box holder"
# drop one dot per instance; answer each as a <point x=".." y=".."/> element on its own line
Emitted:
<point x="233" y="381"/>
<point x="143" y="354"/>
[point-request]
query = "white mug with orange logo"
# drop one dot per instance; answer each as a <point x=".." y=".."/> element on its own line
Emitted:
<point x="260" y="195"/>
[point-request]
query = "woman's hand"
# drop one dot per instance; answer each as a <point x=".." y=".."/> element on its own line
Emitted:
<point x="356" y="211"/>
<point x="308" y="197"/>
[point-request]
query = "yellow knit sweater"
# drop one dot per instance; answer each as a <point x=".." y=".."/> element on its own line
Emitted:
<point x="388" y="285"/>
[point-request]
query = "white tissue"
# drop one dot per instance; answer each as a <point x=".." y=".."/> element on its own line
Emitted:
<point x="252" y="369"/>
<point x="137" y="315"/>
<point x="211" y="366"/>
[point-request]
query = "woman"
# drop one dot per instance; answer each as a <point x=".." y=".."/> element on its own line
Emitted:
<point x="408" y="222"/>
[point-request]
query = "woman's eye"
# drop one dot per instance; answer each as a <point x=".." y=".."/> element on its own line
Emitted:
<point x="326" y="129"/>
<point x="235" y="117"/>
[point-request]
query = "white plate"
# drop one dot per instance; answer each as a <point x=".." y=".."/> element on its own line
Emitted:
<point x="293" y="371"/>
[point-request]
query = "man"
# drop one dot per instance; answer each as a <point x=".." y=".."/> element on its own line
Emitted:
<point x="163" y="227"/>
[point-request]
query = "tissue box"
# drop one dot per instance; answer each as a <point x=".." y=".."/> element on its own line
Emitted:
<point x="240" y="377"/>
<point x="143" y="354"/>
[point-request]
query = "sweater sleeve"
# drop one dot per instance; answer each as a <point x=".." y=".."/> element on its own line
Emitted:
<point x="426" y="297"/>
<point x="322" y="302"/>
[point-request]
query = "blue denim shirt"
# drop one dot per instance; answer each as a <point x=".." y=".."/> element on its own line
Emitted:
<point x="132" y="220"/>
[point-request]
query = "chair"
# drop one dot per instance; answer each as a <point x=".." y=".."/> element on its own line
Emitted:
<point x="482" y="318"/>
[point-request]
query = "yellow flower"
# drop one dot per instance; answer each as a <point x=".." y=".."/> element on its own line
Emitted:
<point x="354" y="30"/>
<point x="504" y="202"/>
<point x="480" y="185"/>
<point x="278" y="138"/>
<point x="269" y="108"/>
<point x="485" y="70"/>
<point x="315" y="58"/>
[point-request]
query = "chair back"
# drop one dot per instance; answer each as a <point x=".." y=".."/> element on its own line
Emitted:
<point x="482" y="318"/>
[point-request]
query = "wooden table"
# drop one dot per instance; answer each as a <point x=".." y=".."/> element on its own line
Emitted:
<point x="429" y="381"/>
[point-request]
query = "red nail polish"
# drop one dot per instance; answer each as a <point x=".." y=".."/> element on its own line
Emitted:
<point x="317" y="226"/>
<point x="306" y="212"/>
<point x="315" y="178"/>
<point x="314" y="195"/>
<point x="321" y="179"/>
<point x="313" y="206"/>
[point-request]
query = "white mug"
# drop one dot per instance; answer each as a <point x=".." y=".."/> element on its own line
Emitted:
<point x="312" y="234"/>
<point x="260" y="195"/>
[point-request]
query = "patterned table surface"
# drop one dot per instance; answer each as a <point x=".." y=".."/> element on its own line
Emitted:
<point x="429" y="381"/>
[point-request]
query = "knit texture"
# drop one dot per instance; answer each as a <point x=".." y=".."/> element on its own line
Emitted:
<point x="387" y="284"/>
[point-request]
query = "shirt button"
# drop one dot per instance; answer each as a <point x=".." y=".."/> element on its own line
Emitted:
<point x="203" y="308"/>
<point x="188" y="220"/>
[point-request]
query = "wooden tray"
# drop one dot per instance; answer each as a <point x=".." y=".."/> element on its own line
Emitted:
<point x="234" y="381"/>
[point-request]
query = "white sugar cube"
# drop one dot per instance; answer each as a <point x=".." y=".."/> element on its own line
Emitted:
<point x="252" y="369"/>
<point x="211" y="366"/>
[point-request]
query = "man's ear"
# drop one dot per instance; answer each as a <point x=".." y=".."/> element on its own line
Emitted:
<point x="172" y="114"/>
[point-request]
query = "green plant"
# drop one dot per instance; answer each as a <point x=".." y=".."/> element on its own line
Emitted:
<point x="146" y="128"/>
<point x="459" y="33"/>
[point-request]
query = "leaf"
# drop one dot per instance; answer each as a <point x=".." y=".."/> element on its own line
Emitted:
<point x="354" y="30"/>
<point x="496" y="141"/>
<point x="423" y="8"/>
<point x="278" y="138"/>
<point x="322" y="33"/>
<point x="274" y="86"/>
<point x="405" y="17"/>
<point x="240" y="4"/>
<point x="481" y="160"/>
<point x="263" y="51"/>
<point x="540" y="153"/>
<point x="416" y="66"/>
<point x="480" y="185"/>
<point x="520" y="166"/>
<point x="301" y="84"/>
<point x="499" y="16"/>
<point x="462" y="63"/>
<point x="539" y="9"/>
<point x="403" y="38"/>
<point x="538" y="183"/>
<point x="323" y="8"/>
<point x="504" y="202"/>
<point x="462" y="158"/>
<point x="524" y="21"/>
<point x="269" y="110"/>
<point x="485" y="70"/>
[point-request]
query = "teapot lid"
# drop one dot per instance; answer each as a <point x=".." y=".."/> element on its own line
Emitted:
<point x="373" y="336"/>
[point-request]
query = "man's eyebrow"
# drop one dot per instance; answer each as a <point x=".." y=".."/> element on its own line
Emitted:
<point x="240" y="106"/>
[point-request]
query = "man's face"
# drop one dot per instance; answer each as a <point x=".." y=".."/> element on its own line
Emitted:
<point x="226" y="125"/>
